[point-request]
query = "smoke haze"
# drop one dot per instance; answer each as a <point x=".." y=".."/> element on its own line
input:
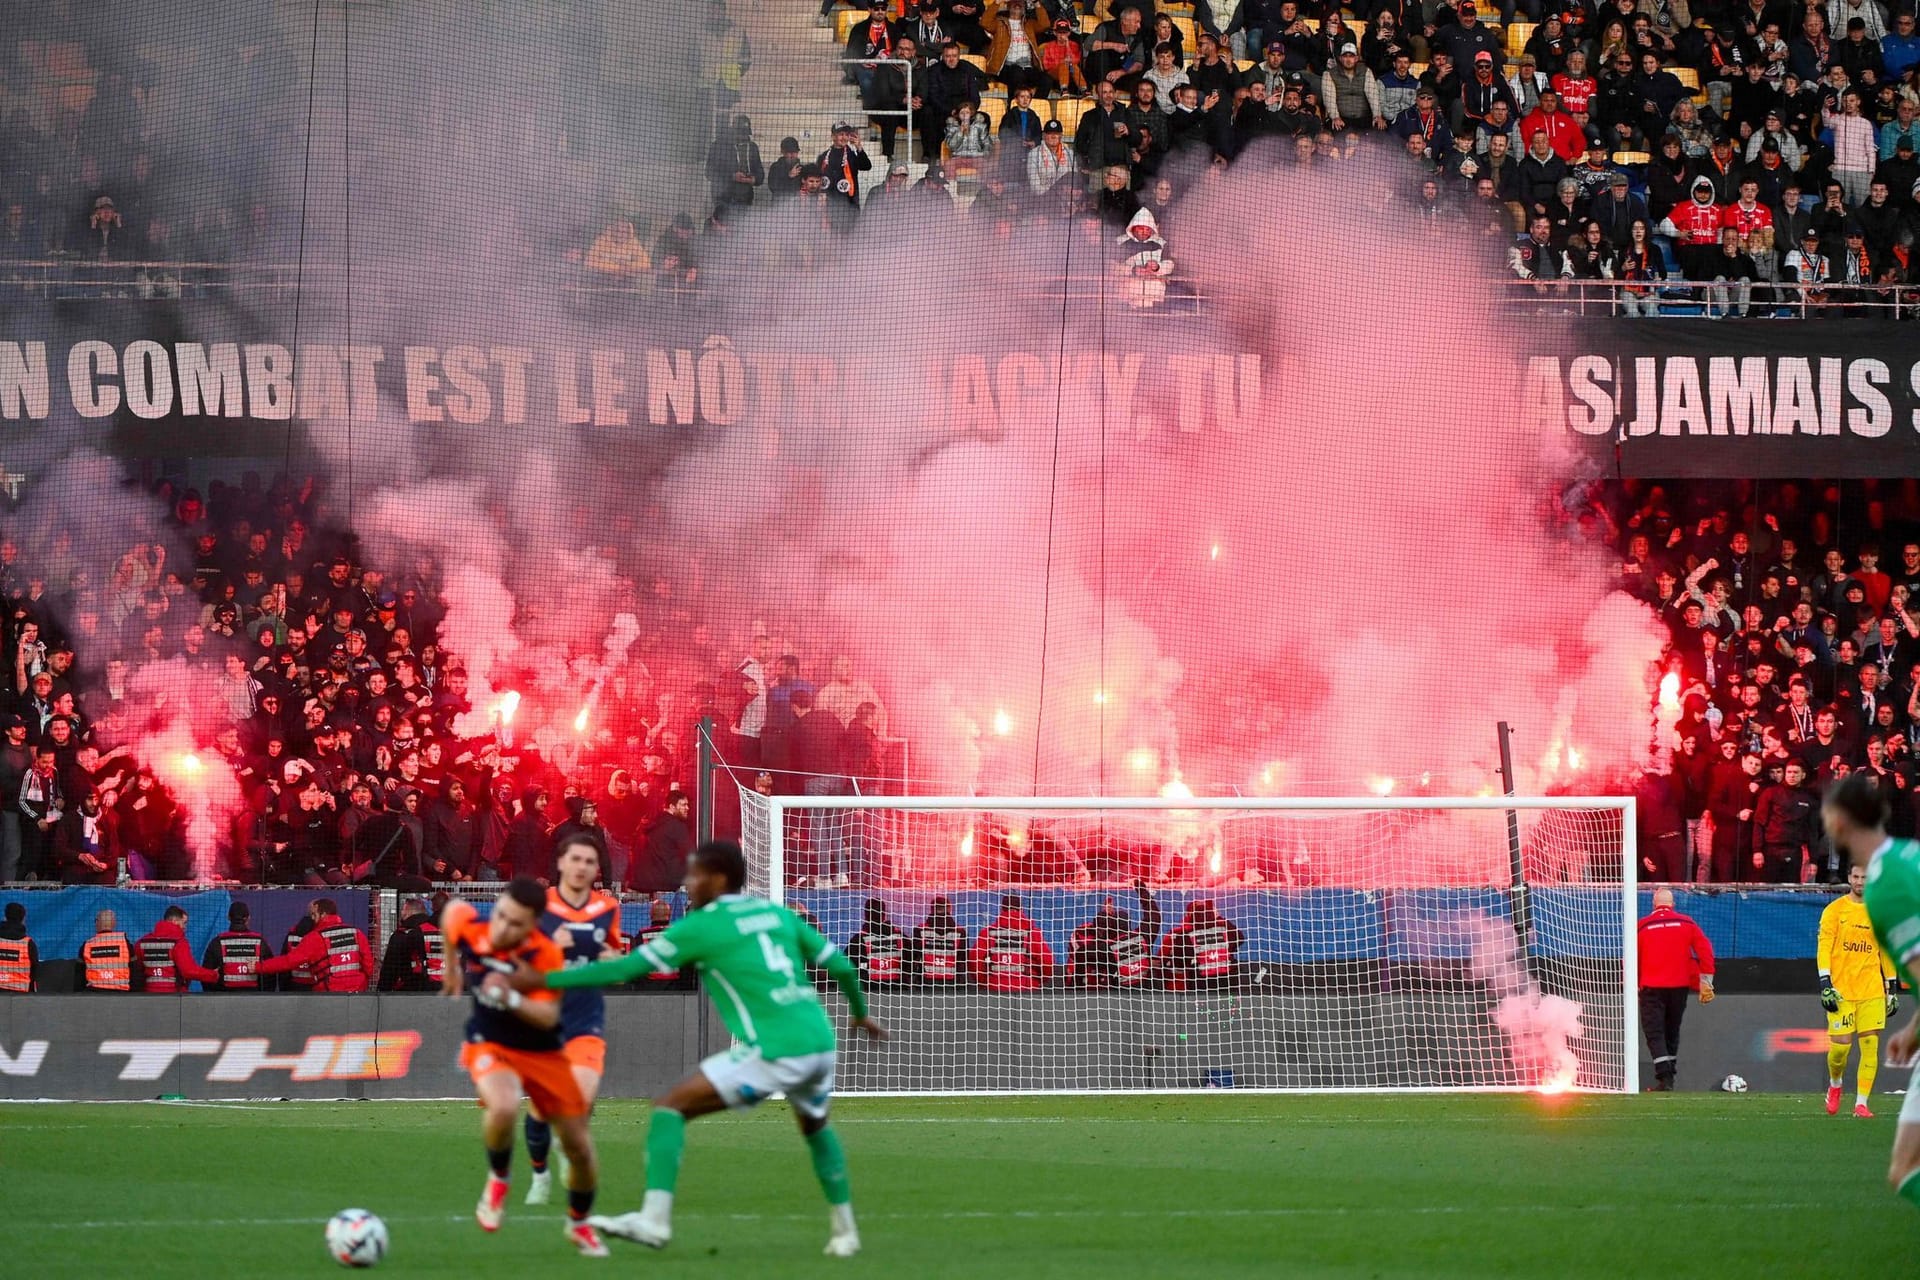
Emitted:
<point x="1345" y="591"/>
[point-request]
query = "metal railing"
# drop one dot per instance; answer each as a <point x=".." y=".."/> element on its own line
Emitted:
<point x="1677" y="296"/>
<point x="67" y="276"/>
<point x="136" y="280"/>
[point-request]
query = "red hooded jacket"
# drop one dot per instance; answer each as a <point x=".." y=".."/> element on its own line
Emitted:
<point x="1011" y="953"/>
<point x="166" y="962"/>
<point x="338" y="953"/>
<point x="1674" y="952"/>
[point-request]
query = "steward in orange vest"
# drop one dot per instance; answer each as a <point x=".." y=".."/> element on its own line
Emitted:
<point x="107" y="957"/>
<point x="19" y="958"/>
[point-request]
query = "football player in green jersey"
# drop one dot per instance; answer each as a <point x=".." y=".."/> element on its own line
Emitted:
<point x="752" y="956"/>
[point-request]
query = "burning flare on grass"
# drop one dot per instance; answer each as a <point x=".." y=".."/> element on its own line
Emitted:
<point x="1541" y="1028"/>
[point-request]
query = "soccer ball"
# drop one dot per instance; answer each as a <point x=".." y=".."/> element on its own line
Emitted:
<point x="356" y="1238"/>
<point x="1734" y="1084"/>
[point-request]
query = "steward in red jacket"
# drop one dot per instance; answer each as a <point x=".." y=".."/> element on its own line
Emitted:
<point x="338" y="952"/>
<point x="1011" y="953"/>
<point x="1675" y="958"/>
<point x="166" y="962"/>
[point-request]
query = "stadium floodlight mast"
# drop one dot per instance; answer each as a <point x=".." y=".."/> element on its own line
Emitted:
<point x="1376" y="948"/>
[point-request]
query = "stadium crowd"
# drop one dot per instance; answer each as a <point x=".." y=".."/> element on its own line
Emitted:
<point x="1795" y="617"/>
<point x="319" y="682"/>
<point x="1758" y="145"/>
<point x="1767" y="147"/>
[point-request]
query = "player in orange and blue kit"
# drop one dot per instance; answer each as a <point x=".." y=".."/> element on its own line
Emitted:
<point x="513" y="1048"/>
<point x="584" y="922"/>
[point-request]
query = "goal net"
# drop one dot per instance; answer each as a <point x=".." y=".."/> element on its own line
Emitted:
<point x="1062" y="945"/>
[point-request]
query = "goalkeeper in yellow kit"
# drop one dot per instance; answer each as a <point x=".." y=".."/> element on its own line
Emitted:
<point x="1857" y="986"/>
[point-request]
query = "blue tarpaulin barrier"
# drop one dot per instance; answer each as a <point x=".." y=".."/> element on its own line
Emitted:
<point x="1283" y="926"/>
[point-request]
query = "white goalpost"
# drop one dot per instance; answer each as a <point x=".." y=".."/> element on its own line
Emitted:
<point x="1110" y="945"/>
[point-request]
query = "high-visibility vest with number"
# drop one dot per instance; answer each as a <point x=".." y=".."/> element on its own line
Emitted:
<point x="886" y="954"/>
<point x="430" y="962"/>
<point x="1212" y="951"/>
<point x="1007" y="952"/>
<point x="156" y="966"/>
<point x="237" y="955"/>
<point x="647" y="935"/>
<point x="940" y="951"/>
<point x="16" y="965"/>
<point x="342" y="971"/>
<point x="108" y="960"/>
<point x="301" y="977"/>
<point x="1131" y="960"/>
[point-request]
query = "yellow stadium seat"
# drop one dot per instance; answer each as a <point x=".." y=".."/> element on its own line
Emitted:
<point x="1632" y="157"/>
<point x="977" y="59"/>
<point x="1089" y="24"/>
<point x="1184" y="25"/>
<point x="1313" y="25"/>
<point x="1068" y="112"/>
<point x="1517" y="36"/>
<point x="1186" y="8"/>
<point x="993" y="109"/>
<point x="843" y="23"/>
<point x="1245" y="67"/>
<point x="1359" y="28"/>
<point x="1687" y="76"/>
<point x="1417" y="70"/>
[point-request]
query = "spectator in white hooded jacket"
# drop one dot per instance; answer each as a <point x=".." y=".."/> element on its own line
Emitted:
<point x="1144" y="266"/>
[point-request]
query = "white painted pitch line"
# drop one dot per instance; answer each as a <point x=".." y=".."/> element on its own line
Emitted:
<point x="954" y="1215"/>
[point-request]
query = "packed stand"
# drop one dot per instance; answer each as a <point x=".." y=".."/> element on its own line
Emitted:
<point x="320" y="684"/>
<point x="1795" y="617"/>
<point x="1590" y="154"/>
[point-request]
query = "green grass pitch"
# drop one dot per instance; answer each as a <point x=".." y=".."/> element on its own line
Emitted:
<point x="1210" y="1186"/>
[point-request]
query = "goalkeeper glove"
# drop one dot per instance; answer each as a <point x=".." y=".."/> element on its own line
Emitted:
<point x="1829" y="999"/>
<point x="1706" y="988"/>
<point x="1893" y="997"/>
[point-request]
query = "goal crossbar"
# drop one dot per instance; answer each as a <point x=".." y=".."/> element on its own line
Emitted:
<point x="1094" y="804"/>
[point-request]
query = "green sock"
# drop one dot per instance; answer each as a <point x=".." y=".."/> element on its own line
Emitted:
<point x="830" y="1165"/>
<point x="1910" y="1187"/>
<point x="666" y="1139"/>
